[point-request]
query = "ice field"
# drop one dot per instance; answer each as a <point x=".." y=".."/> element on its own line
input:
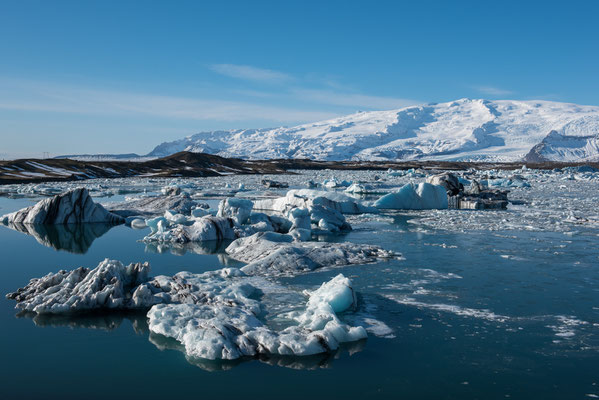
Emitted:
<point x="323" y="286"/>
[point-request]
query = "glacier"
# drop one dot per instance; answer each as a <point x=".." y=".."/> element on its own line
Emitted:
<point x="464" y="129"/>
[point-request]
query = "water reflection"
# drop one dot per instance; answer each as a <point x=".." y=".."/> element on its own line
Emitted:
<point x="73" y="238"/>
<point x="102" y="320"/>
<point x="111" y="320"/>
<point x="313" y="362"/>
<point x="203" y="248"/>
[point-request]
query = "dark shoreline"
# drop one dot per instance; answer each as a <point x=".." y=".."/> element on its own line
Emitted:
<point x="193" y="165"/>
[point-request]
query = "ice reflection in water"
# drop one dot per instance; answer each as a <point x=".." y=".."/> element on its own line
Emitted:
<point x="74" y="238"/>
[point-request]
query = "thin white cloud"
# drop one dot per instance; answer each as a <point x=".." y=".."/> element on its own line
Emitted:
<point x="35" y="96"/>
<point x="493" y="91"/>
<point x="331" y="92"/>
<point x="247" y="72"/>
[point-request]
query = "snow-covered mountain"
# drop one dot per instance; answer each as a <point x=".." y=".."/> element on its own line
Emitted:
<point x="464" y="129"/>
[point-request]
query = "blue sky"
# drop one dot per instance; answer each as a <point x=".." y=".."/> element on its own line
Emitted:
<point x="123" y="76"/>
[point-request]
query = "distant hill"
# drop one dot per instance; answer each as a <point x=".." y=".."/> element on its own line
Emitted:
<point x="101" y="157"/>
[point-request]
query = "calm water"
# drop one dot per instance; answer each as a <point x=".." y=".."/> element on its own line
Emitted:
<point x="470" y="316"/>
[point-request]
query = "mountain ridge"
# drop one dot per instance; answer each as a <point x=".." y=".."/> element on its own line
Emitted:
<point x="461" y="130"/>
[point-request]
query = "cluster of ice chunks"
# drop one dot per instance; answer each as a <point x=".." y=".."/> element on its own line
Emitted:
<point x="214" y="315"/>
<point x="300" y="213"/>
<point x="202" y="229"/>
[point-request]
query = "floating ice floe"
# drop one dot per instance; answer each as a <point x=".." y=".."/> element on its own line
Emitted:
<point x="202" y="229"/>
<point x="506" y="182"/>
<point x="214" y="315"/>
<point x="151" y="206"/>
<point x="172" y="190"/>
<point x="334" y="183"/>
<point x="423" y="196"/>
<point x="362" y="188"/>
<point x="306" y="198"/>
<point x="112" y="285"/>
<point x="73" y="207"/>
<point x="300" y="222"/>
<point x="276" y="254"/>
<point x="217" y="331"/>
<point x="412" y="173"/>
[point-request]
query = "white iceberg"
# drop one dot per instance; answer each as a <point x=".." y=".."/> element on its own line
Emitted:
<point x="73" y="207"/>
<point x="423" y="196"/>
<point x="362" y="188"/>
<point x="306" y="198"/>
<point x="300" y="218"/>
<point x="237" y="209"/>
<point x="222" y="332"/>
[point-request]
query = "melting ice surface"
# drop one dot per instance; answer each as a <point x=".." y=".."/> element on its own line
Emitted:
<point x="486" y="304"/>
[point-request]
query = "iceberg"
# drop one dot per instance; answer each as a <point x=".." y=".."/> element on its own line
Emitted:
<point x="300" y="218"/>
<point x="153" y="206"/>
<point x="261" y="222"/>
<point x="73" y="207"/>
<point x="215" y="315"/>
<point x="306" y="198"/>
<point x="114" y="286"/>
<point x="110" y="285"/>
<point x="362" y="188"/>
<point x="203" y="229"/>
<point x="275" y="254"/>
<point x="423" y="196"/>
<point x="449" y="181"/>
<point x="328" y="219"/>
<point x="506" y="182"/>
<point x="237" y="209"/>
<point x="223" y="332"/>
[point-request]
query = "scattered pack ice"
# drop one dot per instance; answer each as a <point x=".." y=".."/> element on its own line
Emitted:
<point x="306" y="198"/>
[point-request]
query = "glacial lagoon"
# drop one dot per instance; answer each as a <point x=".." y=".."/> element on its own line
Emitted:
<point x="481" y="304"/>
